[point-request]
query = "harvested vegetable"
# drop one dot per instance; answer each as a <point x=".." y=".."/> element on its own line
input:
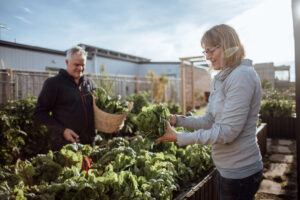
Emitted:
<point x="151" y="121"/>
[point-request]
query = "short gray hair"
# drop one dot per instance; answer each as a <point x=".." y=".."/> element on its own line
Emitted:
<point x="76" y="50"/>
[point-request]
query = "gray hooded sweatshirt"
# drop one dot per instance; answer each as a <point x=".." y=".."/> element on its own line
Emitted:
<point x="229" y="124"/>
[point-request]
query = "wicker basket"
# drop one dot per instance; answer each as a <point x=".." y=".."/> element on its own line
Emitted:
<point x="109" y="123"/>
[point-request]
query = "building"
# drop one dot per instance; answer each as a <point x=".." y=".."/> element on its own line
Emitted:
<point x="31" y="58"/>
<point x="26" y="58"/>
<point x="273" y="74"/>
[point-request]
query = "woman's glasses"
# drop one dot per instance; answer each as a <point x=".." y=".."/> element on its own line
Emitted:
<point x="228" y="52"/>
<point x="210" y="52"/>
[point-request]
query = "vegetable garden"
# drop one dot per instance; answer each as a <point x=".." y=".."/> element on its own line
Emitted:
<point x="127" y="164"/>
<point x="124" y="165"/>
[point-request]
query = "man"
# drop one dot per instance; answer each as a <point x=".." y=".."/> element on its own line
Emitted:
<point x="65" y="104"/>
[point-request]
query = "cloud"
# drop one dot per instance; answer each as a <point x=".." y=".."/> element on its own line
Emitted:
<point x="28" y="10"/>
<point x="23" y="19"/>
<point x="182" y="40"/>
<point x="162" y="34"/>
<point x="267" y="35"/>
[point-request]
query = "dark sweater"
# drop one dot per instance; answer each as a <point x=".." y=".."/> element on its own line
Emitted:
<point x="71" y="106"/>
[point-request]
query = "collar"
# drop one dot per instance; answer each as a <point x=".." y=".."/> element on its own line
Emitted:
<point x="222" y="75"/>
<point x="64" y="73"/>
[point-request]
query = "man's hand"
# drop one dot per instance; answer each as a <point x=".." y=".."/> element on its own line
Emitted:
<point x="173" y="120"/>
<point x="70" y="136"/>
<point x="169" y="136"/>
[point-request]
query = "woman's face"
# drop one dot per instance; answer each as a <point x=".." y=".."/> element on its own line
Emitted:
<point x="214" y="55"/>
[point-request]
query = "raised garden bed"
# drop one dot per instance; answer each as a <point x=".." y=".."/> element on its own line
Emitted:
<point x="206" y="189"/>
<point x="281" y="127"/>
<point x="261" y="134"/>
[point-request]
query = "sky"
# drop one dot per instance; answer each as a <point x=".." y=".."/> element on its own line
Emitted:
<point x="160" y="30"/>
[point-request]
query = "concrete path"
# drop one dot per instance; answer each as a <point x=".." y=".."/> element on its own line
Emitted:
<point x="279" y="171"/>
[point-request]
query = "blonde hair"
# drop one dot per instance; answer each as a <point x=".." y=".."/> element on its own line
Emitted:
<point x="228" y="40"/>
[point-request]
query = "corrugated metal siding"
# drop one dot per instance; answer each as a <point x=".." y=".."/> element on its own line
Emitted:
<point x="117" y="67"/>
<point x="19" y="59"/>
<point x="160" y="68"/>
<point x="89" y="68"/>
<point x="29" y="60"/>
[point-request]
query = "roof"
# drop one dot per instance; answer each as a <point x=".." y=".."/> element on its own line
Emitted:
<point x="161" y="62"/>
<point x="112" y="54"/>
<point x="90" y="49"/>
<point x="282" y="68"/>
<point x="29" y="47"/>
<point x="264" y="65"/>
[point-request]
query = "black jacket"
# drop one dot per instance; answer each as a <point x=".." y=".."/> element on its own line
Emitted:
<point x="64" y="104"/>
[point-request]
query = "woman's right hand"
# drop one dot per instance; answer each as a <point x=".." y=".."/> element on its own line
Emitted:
<point x="173" y="120"/>
<point x="169" y="136"/>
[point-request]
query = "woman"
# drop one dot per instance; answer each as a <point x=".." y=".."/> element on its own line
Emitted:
<point x="229" y="124"/>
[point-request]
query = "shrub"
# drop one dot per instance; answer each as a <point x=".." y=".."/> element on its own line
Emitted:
<point x="277" y="103"/>
<point x="21" y="136"/>
<point x="276" y="108"/>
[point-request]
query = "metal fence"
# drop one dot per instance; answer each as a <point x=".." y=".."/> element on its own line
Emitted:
<point x="16" y="85"/>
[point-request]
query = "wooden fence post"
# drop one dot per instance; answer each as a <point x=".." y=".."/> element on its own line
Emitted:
<point x="193" y="86"/>
<point x="183" y="100"/>
<point x="137" y="86"/>
<point x="10" y="83"/>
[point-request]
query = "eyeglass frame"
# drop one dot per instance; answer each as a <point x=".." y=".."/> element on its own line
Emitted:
<point x="210" y="52"/>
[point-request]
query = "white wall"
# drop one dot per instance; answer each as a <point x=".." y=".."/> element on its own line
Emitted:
<point x="22" y="59"/>
<point x="116" y="67"/>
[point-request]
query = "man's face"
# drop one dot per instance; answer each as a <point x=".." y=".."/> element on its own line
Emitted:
<point x="76" y="66"/>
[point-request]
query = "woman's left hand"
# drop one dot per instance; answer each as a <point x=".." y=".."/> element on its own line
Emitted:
<point x="169" y="136"/>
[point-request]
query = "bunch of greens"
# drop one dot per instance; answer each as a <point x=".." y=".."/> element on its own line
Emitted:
<point x="139" y="100"/>
<point x="151" y="121"/>
<point x="174" y="108"/>
<point x="114" y="105"/>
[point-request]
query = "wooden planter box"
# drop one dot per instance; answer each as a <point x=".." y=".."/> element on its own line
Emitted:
<point x="261" y="134"/>
<point x="281" y="127"/>
<point x="207" y="188"/>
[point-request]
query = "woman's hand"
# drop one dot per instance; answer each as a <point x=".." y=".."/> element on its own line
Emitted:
<point x="173" y="120"/>
<point x="169" y="136"/>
